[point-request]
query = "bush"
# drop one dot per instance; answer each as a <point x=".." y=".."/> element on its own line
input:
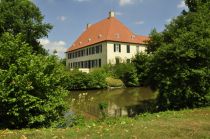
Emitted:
<point x="78" y="80"/>
<point x="31" y="90"/>
<point x="111" y="82"/>
<point x="98" y="79"/>
<point x="124" y="71"/>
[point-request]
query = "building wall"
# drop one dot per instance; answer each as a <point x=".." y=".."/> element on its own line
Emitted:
<point x="123" y="55"/>
<point x="95" y="56"/>
<point x="108" y="56"/>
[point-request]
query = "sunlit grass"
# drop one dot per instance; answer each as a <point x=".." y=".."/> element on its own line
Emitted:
<point x="171" y="124"/>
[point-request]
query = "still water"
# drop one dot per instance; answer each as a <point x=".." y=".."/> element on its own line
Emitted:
<point x="120" y="102"/>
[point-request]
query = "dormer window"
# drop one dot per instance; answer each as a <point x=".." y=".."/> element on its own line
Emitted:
<point x="99" y="36"/>
<point x="133" y="36"/>
<point x="117" y="35"/>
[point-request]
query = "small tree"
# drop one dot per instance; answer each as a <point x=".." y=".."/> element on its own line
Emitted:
<point x="32" y="89"/>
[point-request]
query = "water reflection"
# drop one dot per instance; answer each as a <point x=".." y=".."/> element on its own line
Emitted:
<point x="121" y="102"/>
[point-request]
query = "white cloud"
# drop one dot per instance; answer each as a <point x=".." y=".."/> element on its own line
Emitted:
<point x="50" y="46"/>
<point x="62" y="18"/>
<point x="181" y="5"/>
<point x="139" y="22"/>
<point x="128" y="2"/>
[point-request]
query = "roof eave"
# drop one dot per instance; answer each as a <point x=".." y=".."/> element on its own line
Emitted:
<point x="104" y="41"/>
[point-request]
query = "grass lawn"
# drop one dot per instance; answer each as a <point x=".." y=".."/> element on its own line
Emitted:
<point x="171" y="124"/>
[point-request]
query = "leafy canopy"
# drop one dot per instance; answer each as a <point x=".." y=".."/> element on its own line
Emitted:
<point x="179" y="59"/>
<point x="32" y="90"/>
<point x="22" y="16"/>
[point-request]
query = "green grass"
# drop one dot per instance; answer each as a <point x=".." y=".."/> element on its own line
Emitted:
<point x="171" y="124"/>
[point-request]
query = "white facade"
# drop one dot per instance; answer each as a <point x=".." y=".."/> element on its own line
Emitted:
<point x="103" y="53"/>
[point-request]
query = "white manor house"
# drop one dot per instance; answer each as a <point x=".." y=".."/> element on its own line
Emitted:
<point x="106" y="42"/>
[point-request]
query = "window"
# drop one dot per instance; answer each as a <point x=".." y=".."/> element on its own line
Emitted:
<point x="78" y="54"/>
<point x="117" y="48"/>
<point x="82" y="65"/>
<point x="96" y="63"/>
<point x="90" y="51"/>
<point x="100" y="48"/>
<point x="93" y="63"/>
<point x="89" y="64"/>
<point x="128" y="48"/>
<point x="97" y="49"/>
<point x="87" y="51"/>
<point x="82" y="53"/>
<point x="117" y="60"/>
<point x="93" y="50"/>
<point x="99" y="62"/>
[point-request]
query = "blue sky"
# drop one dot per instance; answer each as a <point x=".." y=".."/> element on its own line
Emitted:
<point x="69" y="17"/>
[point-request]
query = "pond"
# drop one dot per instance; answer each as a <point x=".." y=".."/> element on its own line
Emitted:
<point x="120" y="102"/>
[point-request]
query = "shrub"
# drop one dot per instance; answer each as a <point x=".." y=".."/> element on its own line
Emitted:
<point x="31" y="90"/>
<point x="111" y="82"/>
<point x="97" y="79"/>
<point x="77" y="80"/>
<point x="124" y="71"/>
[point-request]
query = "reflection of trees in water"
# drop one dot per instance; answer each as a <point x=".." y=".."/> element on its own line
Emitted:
<point x="121" y="102"/>
<point x="142" y="107"/>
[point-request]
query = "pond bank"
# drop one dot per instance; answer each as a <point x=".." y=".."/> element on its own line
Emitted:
<point x="171" y="124"/>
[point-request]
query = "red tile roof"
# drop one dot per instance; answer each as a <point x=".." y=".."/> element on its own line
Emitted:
<point x="109" y="29"/>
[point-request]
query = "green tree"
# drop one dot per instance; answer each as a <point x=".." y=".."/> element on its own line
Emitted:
<point x="124" y="71"/>
<point x="141" y="63"/>
<point x="22" y="16"/>
<point x="154" y="42"/>
<point x="32" y="87"/>
<point x="193" y="4"/>
<point x="180" y="66"/>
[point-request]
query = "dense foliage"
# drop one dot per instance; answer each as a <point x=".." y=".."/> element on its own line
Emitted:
<point x="141" y="63"/>
<point x="31" y="89"/>
<point x="107" y="76"/>
<point x="22" y="16"/>
<point x="178" y="66"/>
<point x="124" y="71"/>
<point x="78" y="80"/>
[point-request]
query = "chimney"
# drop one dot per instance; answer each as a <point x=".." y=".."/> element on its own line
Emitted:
<point x="111" y="14"/>
<point x="88" y="26"/>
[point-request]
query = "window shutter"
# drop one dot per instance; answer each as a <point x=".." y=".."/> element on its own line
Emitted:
<point x="114" y="47"/>
<point x="119" y="47"/>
